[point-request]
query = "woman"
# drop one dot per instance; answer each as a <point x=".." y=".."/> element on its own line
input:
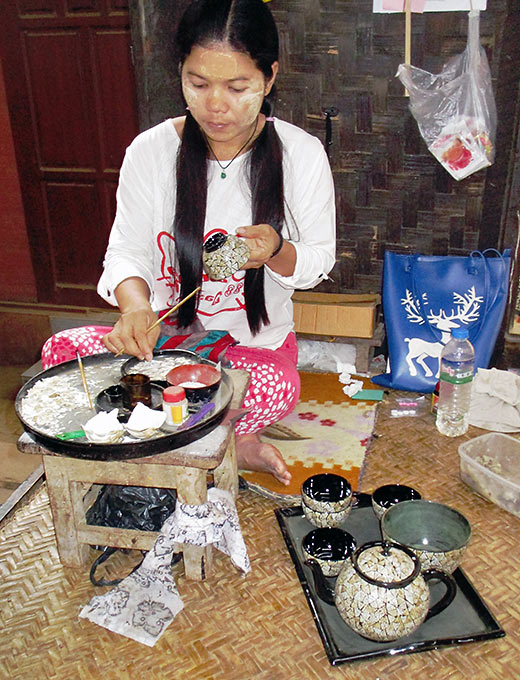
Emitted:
<point x="228" y="166"/>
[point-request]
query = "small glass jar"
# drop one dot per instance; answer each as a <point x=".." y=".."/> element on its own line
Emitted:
<point x="137" y="387"/>
<point x="175" y="405"/>
<point x="223" y="255"/>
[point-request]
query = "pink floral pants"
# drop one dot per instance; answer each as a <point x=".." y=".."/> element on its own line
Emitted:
<point x="275" y="384"/>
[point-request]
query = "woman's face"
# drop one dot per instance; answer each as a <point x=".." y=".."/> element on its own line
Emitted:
<point x="224" y="90"/>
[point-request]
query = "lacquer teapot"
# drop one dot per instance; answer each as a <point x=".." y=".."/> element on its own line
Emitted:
<point x="380" y="591"/>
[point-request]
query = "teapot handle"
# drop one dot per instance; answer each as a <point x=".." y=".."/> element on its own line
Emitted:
<point x="449" y="595"/>
<point x="323" y="590"/>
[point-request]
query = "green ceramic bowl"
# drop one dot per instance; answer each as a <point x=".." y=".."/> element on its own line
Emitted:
<point x="437" y="533"/>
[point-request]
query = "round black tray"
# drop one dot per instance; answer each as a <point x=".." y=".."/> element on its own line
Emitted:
<point x="102" y="371"/>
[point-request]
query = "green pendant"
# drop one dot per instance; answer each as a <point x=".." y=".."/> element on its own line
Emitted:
<point x="223" y="174"/>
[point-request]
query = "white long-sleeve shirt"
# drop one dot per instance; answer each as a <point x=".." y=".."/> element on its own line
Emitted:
<point x="141" y="242"/>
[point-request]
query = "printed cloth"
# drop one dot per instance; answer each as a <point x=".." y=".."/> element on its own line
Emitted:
<point x="144" y="604"/>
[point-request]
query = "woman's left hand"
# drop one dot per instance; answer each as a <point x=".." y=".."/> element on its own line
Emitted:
<point x="262" y="240"/>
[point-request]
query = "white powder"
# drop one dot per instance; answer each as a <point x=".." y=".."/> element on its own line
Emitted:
<point x="158" y="368"/>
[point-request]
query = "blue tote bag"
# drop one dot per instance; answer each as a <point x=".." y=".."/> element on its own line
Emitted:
<point x="425" y="297"/>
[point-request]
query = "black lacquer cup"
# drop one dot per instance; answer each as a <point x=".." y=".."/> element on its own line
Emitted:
<point x="390" y="494"/>
<point x="327" y="492"/>
<point x="329" y="547"/>
<point x="114" y="394"/>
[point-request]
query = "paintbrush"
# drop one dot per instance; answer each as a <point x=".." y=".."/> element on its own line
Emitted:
<point x="170" y="311"/>
<point x="84" y="379"/>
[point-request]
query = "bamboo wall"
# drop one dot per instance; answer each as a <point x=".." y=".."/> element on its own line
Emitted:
<point x="391" y="192"/>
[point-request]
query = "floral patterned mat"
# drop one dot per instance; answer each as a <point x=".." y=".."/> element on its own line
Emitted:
<point x="327" y="432"/>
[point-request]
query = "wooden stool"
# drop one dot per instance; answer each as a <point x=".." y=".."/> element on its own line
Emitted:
<point x="72" y="485"/>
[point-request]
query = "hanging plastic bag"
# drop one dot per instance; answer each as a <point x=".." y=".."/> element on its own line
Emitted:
<point x="455" y="109"/>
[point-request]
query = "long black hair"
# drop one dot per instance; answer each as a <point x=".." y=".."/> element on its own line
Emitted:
<point x="247" y="26"/>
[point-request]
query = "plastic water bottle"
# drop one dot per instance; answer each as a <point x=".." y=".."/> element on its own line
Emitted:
<point x="456" y="376"/>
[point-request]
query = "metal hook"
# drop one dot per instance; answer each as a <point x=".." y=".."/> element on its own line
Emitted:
<point x="330" y="112"/>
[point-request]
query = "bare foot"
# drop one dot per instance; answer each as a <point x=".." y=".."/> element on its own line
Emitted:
<point x="253" y="454"/>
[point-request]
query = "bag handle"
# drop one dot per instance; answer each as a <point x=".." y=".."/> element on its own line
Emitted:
<point x="436" y="334"/>
<point x="499" y="288"/>
<point x="473" y="41"/>
<point x="107" y="552"/>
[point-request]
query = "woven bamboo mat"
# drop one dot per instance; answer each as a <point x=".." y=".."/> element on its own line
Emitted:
<point x="260" y="626"/>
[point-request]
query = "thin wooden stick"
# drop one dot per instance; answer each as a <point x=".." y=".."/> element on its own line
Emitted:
<point x="170" y="311"/>
<point x="84" y="380"/>
<point x="173" y="309"/>
<point x="408" y="37"/>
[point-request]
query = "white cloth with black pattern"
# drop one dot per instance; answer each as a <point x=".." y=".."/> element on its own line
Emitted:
<point x="143" y="605"/>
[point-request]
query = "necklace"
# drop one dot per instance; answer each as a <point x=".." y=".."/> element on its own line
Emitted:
<point x="223" y="168"/>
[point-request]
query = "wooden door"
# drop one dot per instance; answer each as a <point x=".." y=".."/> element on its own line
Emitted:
<point x="71" y="97"/>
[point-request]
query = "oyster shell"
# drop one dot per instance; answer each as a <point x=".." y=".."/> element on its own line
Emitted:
<point x="104" y="428"/>
<point x="144" y="422"/>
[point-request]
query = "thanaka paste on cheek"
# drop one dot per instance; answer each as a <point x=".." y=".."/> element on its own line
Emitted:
<point x="250" y="103"/>
<point x="191" y="95"/>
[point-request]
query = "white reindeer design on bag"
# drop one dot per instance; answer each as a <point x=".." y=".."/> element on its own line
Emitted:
<point x="466" y="310"/>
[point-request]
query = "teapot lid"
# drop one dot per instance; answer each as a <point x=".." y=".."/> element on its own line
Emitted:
<point x="386" y="564"/>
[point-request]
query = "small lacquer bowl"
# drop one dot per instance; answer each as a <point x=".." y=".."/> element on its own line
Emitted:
<point x="326" y="492"/>
<point x="390" y="494"/>
<point x="200" y="381"/>
<point x="325" y="518"/>
<point x="329" y="547"/>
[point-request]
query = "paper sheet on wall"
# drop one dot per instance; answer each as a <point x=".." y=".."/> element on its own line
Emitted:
<point x="420" y="6"/>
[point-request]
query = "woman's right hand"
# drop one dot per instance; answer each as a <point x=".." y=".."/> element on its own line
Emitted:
<point x="129" y="334"/>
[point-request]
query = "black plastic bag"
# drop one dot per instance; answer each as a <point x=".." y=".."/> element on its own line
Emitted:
<point x="128" y="507"/>
<point x="132" y="507"/>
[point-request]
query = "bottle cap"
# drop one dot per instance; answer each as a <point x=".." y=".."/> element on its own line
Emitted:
<point x="460" y="333"/>
<point x="173" y="395"/>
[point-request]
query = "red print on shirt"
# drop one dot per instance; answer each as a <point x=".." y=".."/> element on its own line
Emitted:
<point x="232" y="289"/>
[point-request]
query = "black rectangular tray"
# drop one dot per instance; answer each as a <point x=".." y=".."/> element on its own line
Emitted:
<point x="467" y="619"/>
